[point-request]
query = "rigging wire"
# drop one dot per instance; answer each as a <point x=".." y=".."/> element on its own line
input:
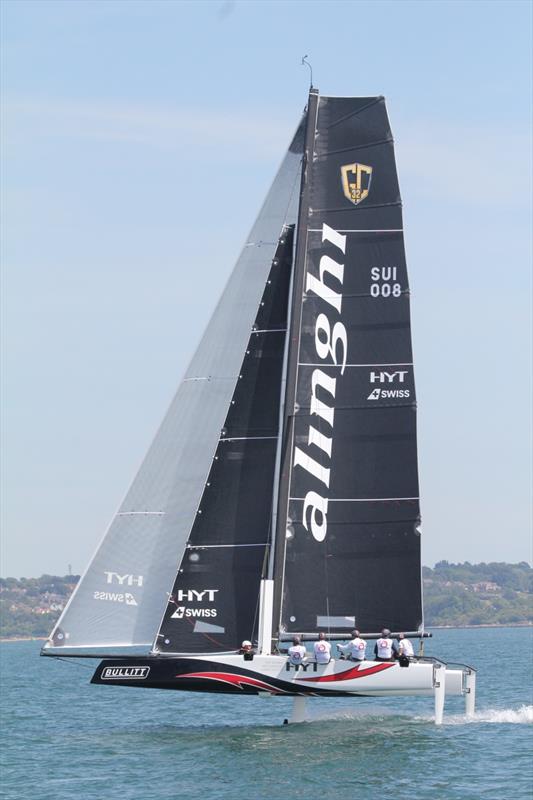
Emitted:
<point x="326" y="581"/>
<point x="74" y="663"/>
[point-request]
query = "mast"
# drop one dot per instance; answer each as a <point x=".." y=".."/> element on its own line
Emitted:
<point x="295" y="315"/>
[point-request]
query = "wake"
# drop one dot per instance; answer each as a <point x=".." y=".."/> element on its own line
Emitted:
<point x="523" y="715"/>
<point x="375" y="712"/>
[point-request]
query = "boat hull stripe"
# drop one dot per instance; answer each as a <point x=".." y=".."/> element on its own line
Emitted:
<point x="234" y="679"/>
<point x="348" y="674"/>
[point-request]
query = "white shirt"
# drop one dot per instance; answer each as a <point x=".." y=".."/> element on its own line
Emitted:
<point x="322" y="651"/>
<point x="355" y="649"/>
<point x="405" y="648"/>
<point x="297" y="653"/>
<point x="384" y="648"/>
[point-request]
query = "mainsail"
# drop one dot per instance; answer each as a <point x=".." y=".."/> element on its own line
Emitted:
<point x="122" y="597"/>
<point x="348" y="541"/>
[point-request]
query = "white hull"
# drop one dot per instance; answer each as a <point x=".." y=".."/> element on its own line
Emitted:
<point x="274" y="675"/>
<point x="368" y="678"/>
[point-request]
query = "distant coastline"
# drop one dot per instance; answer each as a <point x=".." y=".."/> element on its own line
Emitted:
<point x="23" y="639"/>
<point x="492" y="595"/>
<point x="527" y="624"/>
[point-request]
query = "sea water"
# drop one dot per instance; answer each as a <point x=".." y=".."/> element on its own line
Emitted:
<point x="63" y="738"/>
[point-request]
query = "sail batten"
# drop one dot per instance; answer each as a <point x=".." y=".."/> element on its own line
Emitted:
<point x="363" y="499"/>
<point x="201" y="546"/>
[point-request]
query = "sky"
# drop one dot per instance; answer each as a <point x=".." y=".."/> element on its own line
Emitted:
<point x="138" y="141"/>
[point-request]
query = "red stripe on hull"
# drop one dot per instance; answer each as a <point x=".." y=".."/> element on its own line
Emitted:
<point x="234" y="680"/>
<point x="348" y="674"/>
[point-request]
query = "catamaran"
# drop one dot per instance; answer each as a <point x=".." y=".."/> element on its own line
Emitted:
<point x="280" y="494"/>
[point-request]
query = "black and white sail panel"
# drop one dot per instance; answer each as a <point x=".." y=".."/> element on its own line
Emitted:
<point x="215" y="599"/>
<point x="122" y="597"/>
<point x="352" y="548"/>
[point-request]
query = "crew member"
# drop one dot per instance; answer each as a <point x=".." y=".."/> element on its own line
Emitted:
<point x="385" y="649"/>
<point x="246" y="647"/>
<point x="405" y="647"/>
<point x="297" y="652"/>
<point x="355" y="650"/>
<point x="322" y="649"/>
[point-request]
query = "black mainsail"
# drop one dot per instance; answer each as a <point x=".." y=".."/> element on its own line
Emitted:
<point x="348" y="540"/>
<point x="280" y="494"/>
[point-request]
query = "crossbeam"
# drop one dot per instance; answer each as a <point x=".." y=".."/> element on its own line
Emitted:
<point x="305" y="637"/>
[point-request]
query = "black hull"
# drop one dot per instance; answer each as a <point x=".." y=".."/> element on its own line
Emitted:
<point x="177" y="674"/>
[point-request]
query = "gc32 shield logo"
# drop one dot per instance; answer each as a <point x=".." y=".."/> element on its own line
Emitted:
<point x="356" y="179"/>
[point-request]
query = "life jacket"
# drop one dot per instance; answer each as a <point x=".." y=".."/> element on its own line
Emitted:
<point x="405" y="648"/>
<point x="384" y="648"/>
<point x="358" y="649"/>
<point x="322" y="652"/>
<point x="297" y="653"/>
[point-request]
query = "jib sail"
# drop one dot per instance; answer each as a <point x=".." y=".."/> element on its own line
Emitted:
<point x="214" y="603"/>
<point x="125" y="591"/>
<point x="348" y="551"/>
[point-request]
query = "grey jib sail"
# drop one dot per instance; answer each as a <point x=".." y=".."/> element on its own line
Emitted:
<point x="348" y="543"/>
<point x="122" y="597"/>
